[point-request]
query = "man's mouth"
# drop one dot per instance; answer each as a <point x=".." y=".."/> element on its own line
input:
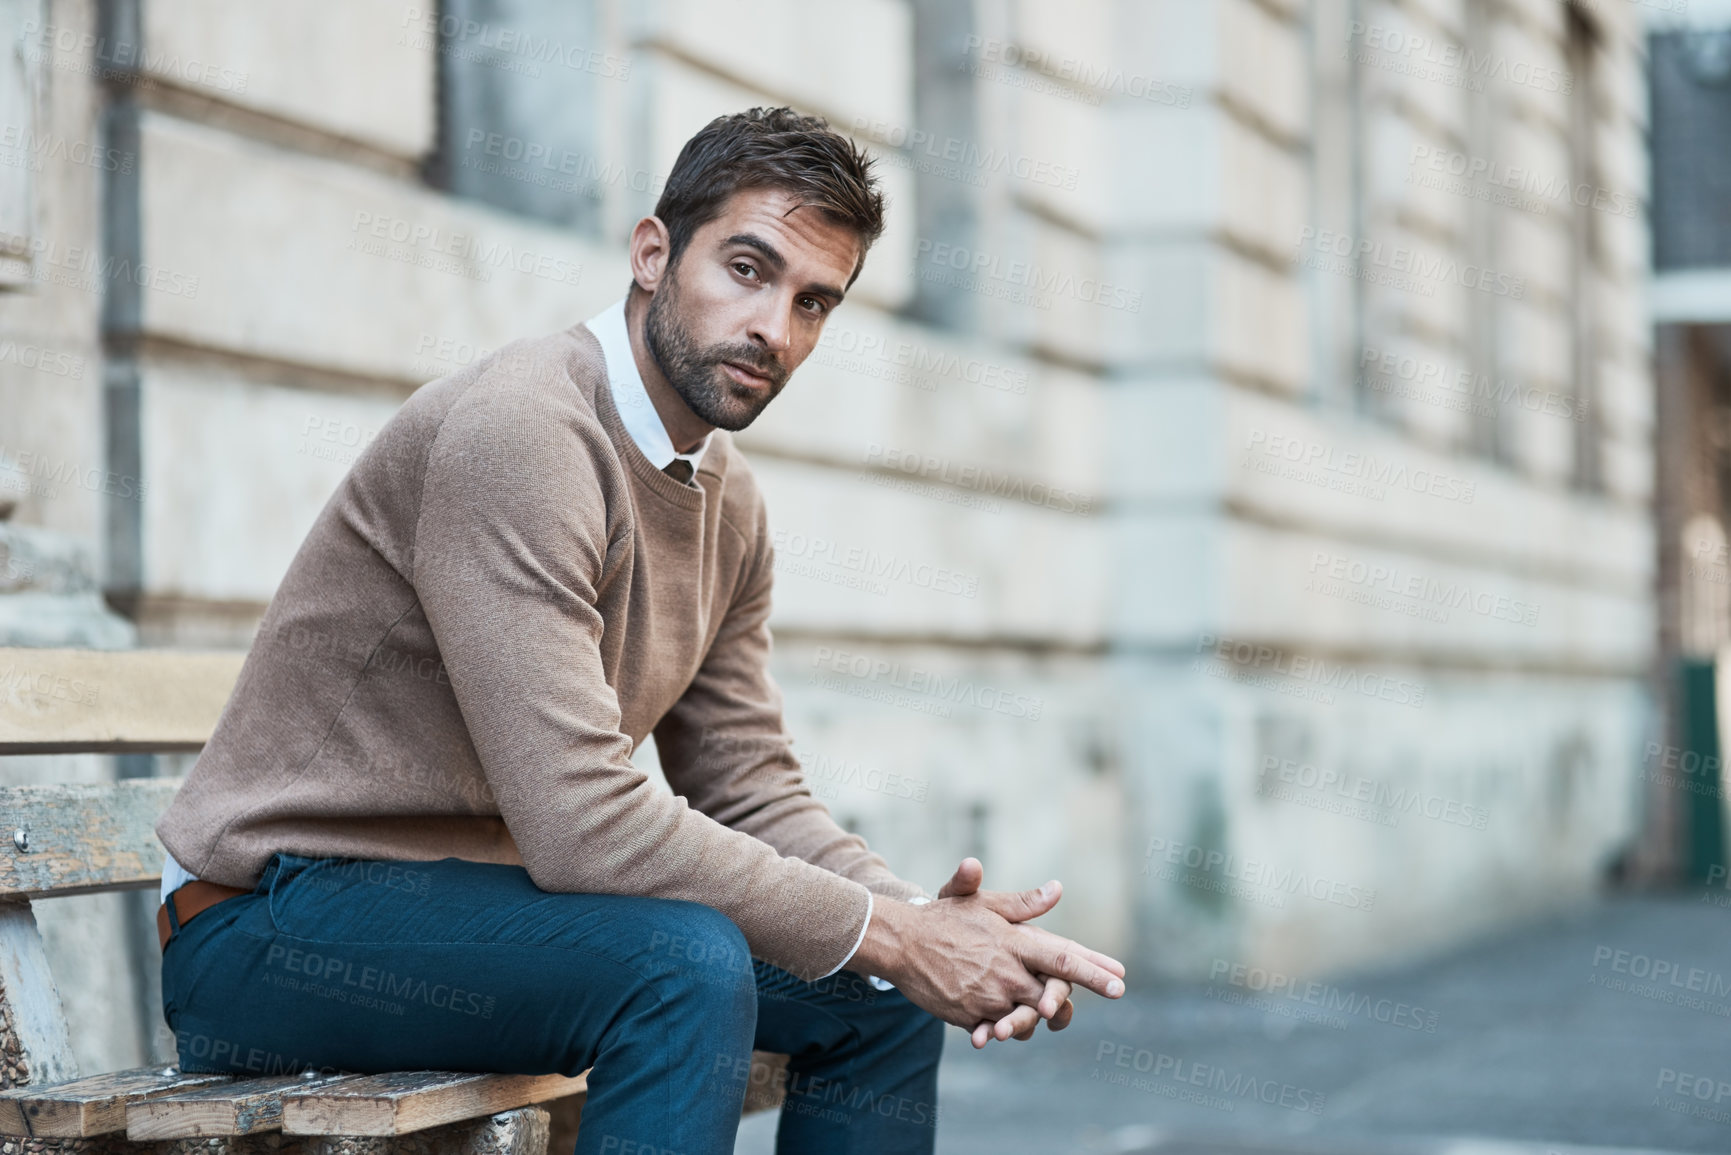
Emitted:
<point x="746" y="376"/>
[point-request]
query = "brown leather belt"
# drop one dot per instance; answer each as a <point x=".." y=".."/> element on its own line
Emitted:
<point x="191" y="899"/>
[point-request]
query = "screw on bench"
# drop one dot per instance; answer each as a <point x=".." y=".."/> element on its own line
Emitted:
<point x="21" y="839"/>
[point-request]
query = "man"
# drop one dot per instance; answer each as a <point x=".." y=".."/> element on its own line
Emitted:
<point x="416" y="838"/>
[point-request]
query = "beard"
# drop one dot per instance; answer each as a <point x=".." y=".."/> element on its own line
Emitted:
<point x="695" y="371"/>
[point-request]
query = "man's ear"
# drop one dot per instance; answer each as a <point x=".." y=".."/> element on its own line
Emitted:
<point x="651" y="247"/>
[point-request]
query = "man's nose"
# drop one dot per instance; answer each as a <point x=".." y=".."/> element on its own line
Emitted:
<point x="773" y="327"/>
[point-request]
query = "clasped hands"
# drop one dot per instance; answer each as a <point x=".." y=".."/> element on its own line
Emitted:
<point x="971" y="958"/>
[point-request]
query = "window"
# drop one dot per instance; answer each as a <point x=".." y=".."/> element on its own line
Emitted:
<point x="518" y="95"/>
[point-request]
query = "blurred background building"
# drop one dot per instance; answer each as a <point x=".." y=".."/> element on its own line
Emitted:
<point x="1230" y="487"/>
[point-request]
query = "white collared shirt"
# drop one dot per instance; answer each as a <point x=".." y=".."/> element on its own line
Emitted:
<point x="630" y="396"/>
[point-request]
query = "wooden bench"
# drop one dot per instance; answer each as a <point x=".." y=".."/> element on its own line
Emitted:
<point x="68" y="839"/>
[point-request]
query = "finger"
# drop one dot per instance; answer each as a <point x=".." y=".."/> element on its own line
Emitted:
<point x="1056" y="995"/>
<point x="965" y="881"/>
<point x="1022" y="905"/>
<point x="1019" y="1023"/>
<point x="1062" y="1019"/>
<point x="1061" y="958"/>
<point x="1103" y="961"/>
<point x="982" y="1035"/>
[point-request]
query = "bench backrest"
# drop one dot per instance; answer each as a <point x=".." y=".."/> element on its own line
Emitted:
<point x="83" y="838"/>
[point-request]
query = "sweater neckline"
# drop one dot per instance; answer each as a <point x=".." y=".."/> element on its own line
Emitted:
<point x="643" y="470"/>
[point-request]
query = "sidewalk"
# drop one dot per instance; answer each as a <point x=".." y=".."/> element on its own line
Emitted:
<point x="1548" y="1039"/>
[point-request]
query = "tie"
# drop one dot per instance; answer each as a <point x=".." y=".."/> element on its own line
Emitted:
<point x="679" y="470"/>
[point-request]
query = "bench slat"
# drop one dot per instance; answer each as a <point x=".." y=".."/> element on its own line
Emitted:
<point x="406" y="1101"/>
<point x="244" y="1107"/>
<point x="111" y="701"/>
<point x="82" y="837"/>
<point x="93" y="1106"/>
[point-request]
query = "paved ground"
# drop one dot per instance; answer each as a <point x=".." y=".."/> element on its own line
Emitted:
<point x="1547" y="1040"/>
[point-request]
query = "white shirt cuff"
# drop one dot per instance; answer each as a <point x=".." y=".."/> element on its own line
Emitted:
<point x="862" y="933"/>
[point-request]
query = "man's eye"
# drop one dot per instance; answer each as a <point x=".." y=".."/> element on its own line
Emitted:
<point x="815" y="305"/>
<point x="744" y="269"/>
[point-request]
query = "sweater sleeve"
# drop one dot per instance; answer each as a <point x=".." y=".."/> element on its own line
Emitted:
<point x="723" y="746"/>
<point x="513" y="537"/>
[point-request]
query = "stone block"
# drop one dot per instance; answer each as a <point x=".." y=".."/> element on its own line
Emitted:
<point x="359" y="70"/>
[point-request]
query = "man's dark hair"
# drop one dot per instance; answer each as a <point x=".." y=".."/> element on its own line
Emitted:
<point x="774" y="148"/>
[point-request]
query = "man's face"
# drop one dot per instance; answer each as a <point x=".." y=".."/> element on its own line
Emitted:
<point x="746" y="303"/>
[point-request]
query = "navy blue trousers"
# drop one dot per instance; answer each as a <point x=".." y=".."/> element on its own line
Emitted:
<point x="345" y="964"/>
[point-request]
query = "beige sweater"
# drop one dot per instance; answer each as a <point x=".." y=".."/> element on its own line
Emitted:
<point x="502" y="598"/>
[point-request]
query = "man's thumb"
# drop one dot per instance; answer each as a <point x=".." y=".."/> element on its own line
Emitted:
<point x="1031" y="904"/>
<point x="965" y="881"/>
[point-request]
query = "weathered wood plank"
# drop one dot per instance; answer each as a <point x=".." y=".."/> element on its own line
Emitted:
<point x="81" y="837"/>
<point x="406" y="1101"/>
<point x="93" y="1106"/>
<point x="244" y="1107"/>
<point x="101" y="701"/>
<point x="523" y="1131"/>
<point x="37" y="1047"/>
